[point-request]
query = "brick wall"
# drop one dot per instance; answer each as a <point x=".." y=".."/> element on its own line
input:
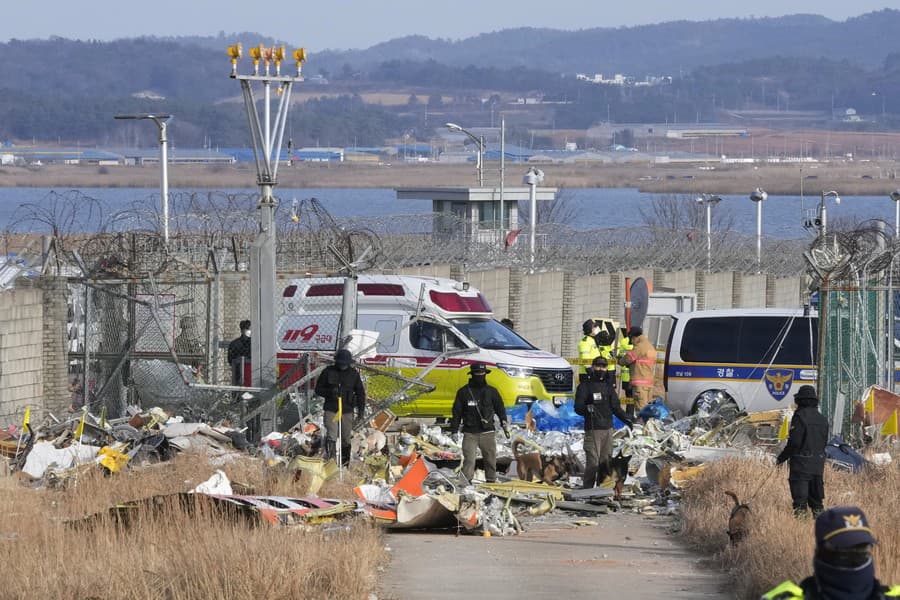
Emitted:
<point x="21" y="352"/>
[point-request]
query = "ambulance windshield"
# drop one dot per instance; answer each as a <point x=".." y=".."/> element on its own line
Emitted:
<point x="491" y="335"/>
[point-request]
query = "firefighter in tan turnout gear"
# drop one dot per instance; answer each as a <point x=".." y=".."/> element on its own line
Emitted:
<point x="642" y="362"/>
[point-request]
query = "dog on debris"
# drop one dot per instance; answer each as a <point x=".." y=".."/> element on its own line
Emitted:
<point x="615" y="469"/>
<point x="739" y="521"/>
<point x="533" y="464"/>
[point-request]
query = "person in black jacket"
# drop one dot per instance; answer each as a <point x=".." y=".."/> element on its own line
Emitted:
<point x="239" y="354"/>
<point x="805" y="450"/>
<point x="343" y="390"/>
<point x="475" y="407"/>
<point x="596" y="401"/>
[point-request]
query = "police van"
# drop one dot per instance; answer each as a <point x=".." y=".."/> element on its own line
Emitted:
<point x="754" y="359"/>
<point x="457" y="325"/>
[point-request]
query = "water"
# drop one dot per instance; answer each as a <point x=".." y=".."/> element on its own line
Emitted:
<point x="594" y="208"/>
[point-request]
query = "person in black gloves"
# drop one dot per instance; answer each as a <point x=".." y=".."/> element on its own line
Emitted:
<point x="475" y="407"/>
<point x="342" y="388"/>
<point x="596" y="401"/>
<point x="805" y="450"/>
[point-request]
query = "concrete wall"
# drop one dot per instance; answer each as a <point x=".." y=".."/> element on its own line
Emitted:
<point x="494" y="284"/>
<point x="21" y="353"/>
<point x="542" y="310"/>
<point x="752" y="291"/>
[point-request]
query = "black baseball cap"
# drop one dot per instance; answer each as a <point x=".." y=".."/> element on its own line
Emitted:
<point x="843" y="527"/>
<point x="343" y="357"/>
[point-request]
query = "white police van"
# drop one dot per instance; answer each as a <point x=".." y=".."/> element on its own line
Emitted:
<point x="755" y="359"/>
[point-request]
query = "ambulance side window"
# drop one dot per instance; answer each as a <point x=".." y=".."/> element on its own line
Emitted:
<point x="387" y="335"/>
<point x="426" y="336"/>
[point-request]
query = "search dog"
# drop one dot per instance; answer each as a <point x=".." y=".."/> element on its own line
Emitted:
<point x="529" y="465"/>
<point x="615" y="469"/>
<point x="739" y="520"/>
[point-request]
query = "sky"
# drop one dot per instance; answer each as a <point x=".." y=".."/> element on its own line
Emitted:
<point x="343" y="24"/>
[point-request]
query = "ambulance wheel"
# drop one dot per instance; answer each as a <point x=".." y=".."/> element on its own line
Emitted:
<point x="714" y="402"/>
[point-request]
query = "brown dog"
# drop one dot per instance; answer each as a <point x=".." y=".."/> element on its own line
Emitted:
<point x="739" y="521"/>
<point x="532" y="464"/>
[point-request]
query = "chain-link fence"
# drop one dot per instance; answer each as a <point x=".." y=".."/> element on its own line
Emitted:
<point x="856" y="275"/>
<point x="151" y="323"/>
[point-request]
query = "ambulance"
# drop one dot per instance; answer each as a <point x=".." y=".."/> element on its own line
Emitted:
<point x="456" y="324"/>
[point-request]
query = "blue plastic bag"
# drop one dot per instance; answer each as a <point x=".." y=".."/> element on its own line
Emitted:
<point x="552" y="418"/>
<point x="654" y="410"/>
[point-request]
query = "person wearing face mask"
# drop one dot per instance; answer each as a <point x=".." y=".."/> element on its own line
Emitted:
<point x="596" y="401"/>
<point x="341" y="381"/>
<point x="842" y="566"/>
<point x="239" y="355"/>
<point x="474" y="409"/>
<point x="805" y="450"/>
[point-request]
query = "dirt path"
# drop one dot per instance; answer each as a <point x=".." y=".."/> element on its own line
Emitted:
<point x="624" y="555"/>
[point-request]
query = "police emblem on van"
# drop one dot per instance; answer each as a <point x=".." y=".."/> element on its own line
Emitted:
<point x="778" y="382"/>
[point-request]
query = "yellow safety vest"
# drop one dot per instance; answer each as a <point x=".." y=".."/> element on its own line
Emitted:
<point x="587" y="349"/>
<point x="791" y="591"/>
<point x="624" y="346"/>
<point x="607" y="353"/>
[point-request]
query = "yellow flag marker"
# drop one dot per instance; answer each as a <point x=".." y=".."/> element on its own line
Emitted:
<point x="870" y="401"/>
<point x="27" y="418"/>
<point x="890" y="426"/>
<point x="784" y="430"/>
<point x="340" y="410"/>
<point x="80" y="431"/>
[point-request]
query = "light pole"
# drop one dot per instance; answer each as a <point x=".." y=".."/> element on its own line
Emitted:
<point x="895" y="196"/>
<point x="266" y="134"/>
<point x="823" y="211"/>
<point x="758" y="196"/>
<point x="532" y="178"/>
<point x="479" y="166"/>
<point x="708" y="200"/>
<point x="161" y="122"/>
<point x="882" y="104"/>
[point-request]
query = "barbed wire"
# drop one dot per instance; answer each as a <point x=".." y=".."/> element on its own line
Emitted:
<point x="222" y="226"/>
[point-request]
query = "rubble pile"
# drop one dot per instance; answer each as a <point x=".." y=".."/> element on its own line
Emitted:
<point x="407" y="472"/>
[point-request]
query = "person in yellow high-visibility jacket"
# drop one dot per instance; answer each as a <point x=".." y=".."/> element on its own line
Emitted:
<point x="626" y="346"/>
<point x="587" y="346"/>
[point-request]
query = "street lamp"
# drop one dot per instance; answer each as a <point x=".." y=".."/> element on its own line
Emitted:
<point x="708" y="200"/>
<point x="758" y="196"/>
<point x="532" y="178"/>
<point x="895" y="196"/>
<point x="823" y="212"/>
<point x="161" y="122"/>
<point x="479" y="166"/>
<point x="882" y="104"/>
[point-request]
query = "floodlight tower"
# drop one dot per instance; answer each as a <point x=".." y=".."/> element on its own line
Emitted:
<point x="267" y="137"/>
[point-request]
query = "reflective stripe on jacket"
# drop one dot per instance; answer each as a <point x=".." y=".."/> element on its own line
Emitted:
<point x="587" y="349"/>
<point x="643" y="361"/>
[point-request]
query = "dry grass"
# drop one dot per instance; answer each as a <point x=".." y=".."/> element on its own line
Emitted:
<point x="179" y="556"/>
<point x="731" y="179"/>
<point x="778" y="546"/>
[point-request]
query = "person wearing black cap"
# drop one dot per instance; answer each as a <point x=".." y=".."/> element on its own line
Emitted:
<point x="842" y="567"/>
<point x="805" y="450"/>
<point x="596" y="401"/>
<point x="239" y="354"/>
<point x="342" y="388"/>
<point x="474" y="409"/>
